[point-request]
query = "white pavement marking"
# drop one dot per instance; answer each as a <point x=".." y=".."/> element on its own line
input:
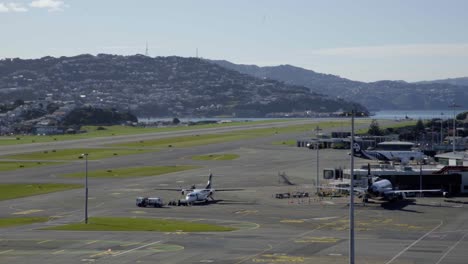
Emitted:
<point x="414" y="243"/>
<point x="43" y="241"/>
<point x="6" y="251"/>
<point x="133" y="249"/>
<point x="58" y="252"/>
<point x="451" y="248"/>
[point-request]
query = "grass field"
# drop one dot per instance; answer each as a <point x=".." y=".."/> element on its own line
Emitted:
<point x="93" y="132"/>
<point x="131" y="172"/>
<point x="216" y="157"/>
<point x="75" y="154"/>
<point x="18" y="190"/>
<point x="289" y="142"/>
<point x="197" y="140"/>
<point x="395" y="125"/>
<point x="140" y="224"/>
<point x="15" y="165"/>
<point x="15" y="221"/>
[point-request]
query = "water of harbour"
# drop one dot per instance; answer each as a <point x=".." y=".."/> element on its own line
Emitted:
<point x="416" y="114"/>
<point x="383" y="114"/>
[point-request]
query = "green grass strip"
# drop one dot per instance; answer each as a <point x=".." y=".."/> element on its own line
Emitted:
<point x="400" y="124"/>
<point x="16" y="221"/>
<point x="95" y="131"/>
<point x="131" y="172"/>
<point x="140" y="224"/>
<point x="184" y="141"/>
<point x="204" y="139"/>
<point x="216" y="157"/>
<point x="15" y="165"/>
<point x="18" y="190"/>
<point x="75" y="154"/>
<point x="289" y="142"/>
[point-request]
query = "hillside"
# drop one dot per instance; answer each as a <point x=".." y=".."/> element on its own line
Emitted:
<point x="462" y="81"/>
<point x="161" y="86"/>
<point x="395" y="95"/>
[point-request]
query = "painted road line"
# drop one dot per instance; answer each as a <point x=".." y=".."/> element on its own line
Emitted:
<point x="107" y="252"/>
<point x="32" y="211"/>
<point x="128" y="251"/>
<point x="451" y="248"/>
<point x="6" y="251"/>
<point x="43" y="241"/>
<point x="91" y="242"/>
<point x="414" y="243"/>
<point x="58" y="252"/>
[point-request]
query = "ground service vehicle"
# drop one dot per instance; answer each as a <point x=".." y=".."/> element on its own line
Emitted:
<point x="151" y="202"/>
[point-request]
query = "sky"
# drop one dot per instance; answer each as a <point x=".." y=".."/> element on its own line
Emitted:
<point x="363" y="40"/>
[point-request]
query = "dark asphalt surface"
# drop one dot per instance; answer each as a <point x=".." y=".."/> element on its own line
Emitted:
<point x="308" y="230"/>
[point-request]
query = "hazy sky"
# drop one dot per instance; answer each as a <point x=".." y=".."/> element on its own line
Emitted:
<point x="364" y="40"/>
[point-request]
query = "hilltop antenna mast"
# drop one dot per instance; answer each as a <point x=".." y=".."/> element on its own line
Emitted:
<point x="196" y="53"/>
<point x="146" y="50"/>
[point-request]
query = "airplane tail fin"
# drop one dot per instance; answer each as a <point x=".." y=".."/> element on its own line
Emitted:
<point x="208" y="184"/>
<point x="357" y="150"/>
<point x="360" y="153"/>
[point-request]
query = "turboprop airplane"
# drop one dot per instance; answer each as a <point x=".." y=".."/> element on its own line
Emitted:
<point x="383" y="189"/>
<point x="196" y="195"/>
<point x="389" y="151"/>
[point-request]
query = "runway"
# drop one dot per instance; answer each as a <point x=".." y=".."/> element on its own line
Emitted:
<point x="269" y="230"/>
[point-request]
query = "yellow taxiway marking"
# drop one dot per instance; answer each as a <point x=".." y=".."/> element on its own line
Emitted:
<point x="28" y="212"/>
<point x="138" y="212"/>
<point x="107" y="252"/>
<point x="317" y="240"/>
<point x="246" y="212"/>
<point x="91" y="242"/>
<point x="43" y="241"/>
<point x="6" y="251"/>
<point x="292" y="221"/>
<point x="280" y="258"/>
<point x="58" y="252"/>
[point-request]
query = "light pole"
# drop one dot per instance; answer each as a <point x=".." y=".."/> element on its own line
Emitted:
<point x="454" y="127"/>
<point x="441" y="129"/>
<point x="86" y="187"/>
<point x="351" y="196"/>
<point x="317" y="129"/>
<point x="420" y="179"/>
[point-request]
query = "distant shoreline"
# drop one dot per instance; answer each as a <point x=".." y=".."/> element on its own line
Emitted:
<point x="383" y="114"/>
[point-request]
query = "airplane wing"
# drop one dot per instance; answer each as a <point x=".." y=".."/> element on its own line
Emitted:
<point x="171" y="189"/>
<point x="356" y="189"/>
<point x="412" y="191"/>
<point x="227" y="190"/>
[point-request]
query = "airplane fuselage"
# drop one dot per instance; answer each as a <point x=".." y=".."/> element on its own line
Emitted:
<point x="198" y="195"/>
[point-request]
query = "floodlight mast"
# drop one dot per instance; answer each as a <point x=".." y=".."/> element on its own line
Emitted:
<point x="351" y="196"/>
<point x="86" y="186"/>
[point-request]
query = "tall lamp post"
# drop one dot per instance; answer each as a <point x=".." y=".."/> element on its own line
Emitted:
<point x="454" y="134"/>
<point x="86" y="187"/>
<point x="351" y="196"/>
<point x="317" y="129"/>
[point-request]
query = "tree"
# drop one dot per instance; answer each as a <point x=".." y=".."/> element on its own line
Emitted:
<point x="374" y="129"/>
<point x="18" y="102"/>
<point x="175" y="121"/>
<point x="419" y="128"/>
